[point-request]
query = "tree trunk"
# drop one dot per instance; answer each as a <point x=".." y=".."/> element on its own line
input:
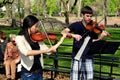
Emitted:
<point x="38" y="7"/>
<point x="105" y="13"/>
<point x="79" y="7"/>
<point x="27" y="7"/>
<point x="13" y="16"/>
<point x="8" y="11"/>
<point x="44" y="8"/>
<point x="66" y="12"/>
<point x="20" y="12"/>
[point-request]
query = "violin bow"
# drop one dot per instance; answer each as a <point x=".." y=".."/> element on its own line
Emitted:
<point x="45" y="32"/>
<point x="58" y="43"/>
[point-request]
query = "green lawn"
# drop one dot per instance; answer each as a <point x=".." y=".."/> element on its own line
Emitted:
<point x="115" y="32"/>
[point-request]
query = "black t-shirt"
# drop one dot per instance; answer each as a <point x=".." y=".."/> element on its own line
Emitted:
<point x="79" y="28"/>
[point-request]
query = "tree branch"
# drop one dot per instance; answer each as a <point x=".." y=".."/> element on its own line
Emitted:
<point x="74" y="5"/>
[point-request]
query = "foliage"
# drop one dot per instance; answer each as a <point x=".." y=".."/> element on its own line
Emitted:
<point x="55" y="6"/>
<point x="1" y="1"/>
<point x="114" y="6"/>
<point x="51" y="6"/>
<point x="34" y="9"/>
<point x="2" y="14"/>
<point x="86" y="2"/>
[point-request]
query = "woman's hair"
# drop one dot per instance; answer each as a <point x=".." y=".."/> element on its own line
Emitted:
<point x="86" y="10"/>
<point x="11" y="36"/>
<point x="28" y="22"/>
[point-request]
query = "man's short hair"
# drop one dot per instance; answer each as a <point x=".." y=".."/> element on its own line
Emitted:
<point x="86" y="10"/>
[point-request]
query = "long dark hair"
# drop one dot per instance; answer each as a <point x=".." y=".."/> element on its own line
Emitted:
<point x="28" y="22"/>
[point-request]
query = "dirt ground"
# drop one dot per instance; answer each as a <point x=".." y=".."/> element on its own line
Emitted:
<point x="2" y="77"/>
<point x="60" y="76"/>
<point x="46" y="76"/>
<point x="110" y="20"/>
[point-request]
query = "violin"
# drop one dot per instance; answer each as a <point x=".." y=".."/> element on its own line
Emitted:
<point x="93" y="26"/>
<point x="39" y="36"/>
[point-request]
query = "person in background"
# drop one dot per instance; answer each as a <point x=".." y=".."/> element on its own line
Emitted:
<point x="82" y="68"/>
<point x="11" y="58"/>
<point x="31" y="51"/>
<point x="3" y="43"/>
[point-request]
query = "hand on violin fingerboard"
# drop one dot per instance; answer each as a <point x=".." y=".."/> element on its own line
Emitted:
<point x="104" y="34"/>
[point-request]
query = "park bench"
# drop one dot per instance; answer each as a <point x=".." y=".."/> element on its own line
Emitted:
<point x="111" y="62"/>
<point x="55" y="68"/>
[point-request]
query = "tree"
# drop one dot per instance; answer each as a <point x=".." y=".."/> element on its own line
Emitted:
<point x="114" y="7"/>
<point x="105" y="12"/>
<point x="51" y="7"/>
<point x="44" y="8"/>
<point x="7" y="5"/>
<point x="27" y="7"/>
<point x="13" y="15"/>
<point x="38" y="7"/>
<point x="4" y="2"/>
<point x="8" y="11"/>
<point x="68" y="9"/>
<point x="79" y="7"/>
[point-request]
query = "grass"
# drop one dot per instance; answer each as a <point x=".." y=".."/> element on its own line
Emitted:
<point x="115" y="32"/>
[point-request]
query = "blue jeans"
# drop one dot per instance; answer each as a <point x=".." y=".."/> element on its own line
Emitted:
<point x="31" y="76"/>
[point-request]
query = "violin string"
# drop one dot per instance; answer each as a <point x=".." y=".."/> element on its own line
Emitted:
<point x="45" y="32"/>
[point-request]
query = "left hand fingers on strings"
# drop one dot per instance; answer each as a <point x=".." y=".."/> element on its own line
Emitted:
<point x="105" y="33"/>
